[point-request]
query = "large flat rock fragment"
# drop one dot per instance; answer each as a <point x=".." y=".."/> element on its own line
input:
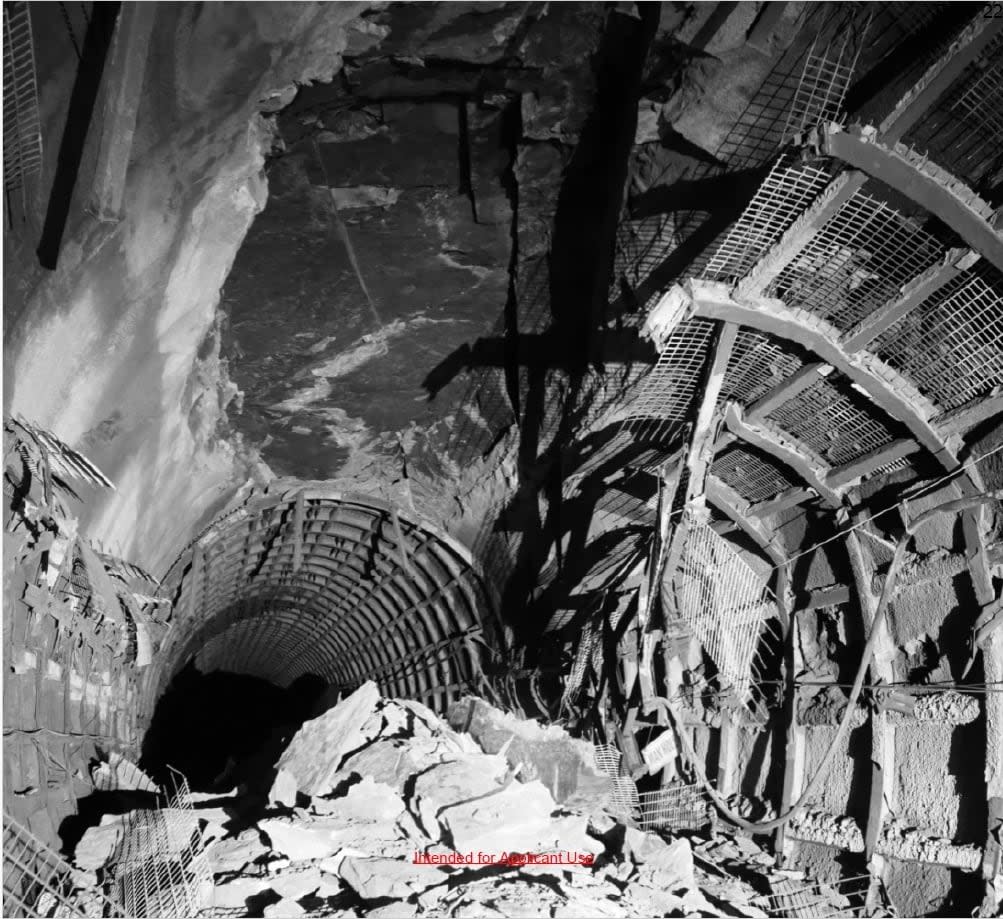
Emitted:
<point x="377" y="878"/>
<point x="566" y="765"/>
<point x="315" y="753"/>
<point x="298" y="842"/>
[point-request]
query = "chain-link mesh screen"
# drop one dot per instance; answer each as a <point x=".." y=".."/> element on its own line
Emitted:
<point x="755" y="476"/>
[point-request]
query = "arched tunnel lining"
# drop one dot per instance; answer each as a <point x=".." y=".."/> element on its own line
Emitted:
<point x="309" y="581"/>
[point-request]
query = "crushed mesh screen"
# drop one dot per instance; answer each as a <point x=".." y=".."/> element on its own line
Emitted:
<point x="161" y="868"/>
<point x="759" y="362"/>
<point x="679" y="807"/>
<point x="755" y="476"/>
<point x="951" y="346"/>
<point x="39" y="882"/>
<point x="669" y="390"/>
<point x="725" y="603"/>
<point x="833" y="424"/>
<point x="782" y="198"/>
<point x="858" y="261"/>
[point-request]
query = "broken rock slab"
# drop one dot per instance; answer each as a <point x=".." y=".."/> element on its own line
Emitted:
<point x="379" y="878"/>
<point x="564" y="764"/>
<point x="315" y="753"/>
<point x="299" y="842"/>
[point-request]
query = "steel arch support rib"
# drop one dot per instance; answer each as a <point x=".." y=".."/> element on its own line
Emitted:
<point x="885" y="387"/>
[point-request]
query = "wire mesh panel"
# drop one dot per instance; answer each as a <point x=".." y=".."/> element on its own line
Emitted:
<point x="22" y="147"/>
<point x="823" y="85"/>
<point x="759" y="362"/>
<point x="668" y="392"/>
<point x="857" y="262"/>
<point x="963" y="131"/>
<point x="951" y="346"/>
<point x="677" y="807"/>
<point x="782" y="198"/>
<point x="724" y="602"/>
<point x="161" y="869"/>
<point x="811" y="899"/>
<point x="753" y="475"/>
<point x="38" y="882"/>
<point x="838" y="427"/>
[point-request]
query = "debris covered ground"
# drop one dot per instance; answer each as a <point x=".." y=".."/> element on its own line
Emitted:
<point x="381" y="808"/>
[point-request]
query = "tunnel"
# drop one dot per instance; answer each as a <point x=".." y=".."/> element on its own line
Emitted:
<point x="307" y="587"/>
<point x="519" y="421"/>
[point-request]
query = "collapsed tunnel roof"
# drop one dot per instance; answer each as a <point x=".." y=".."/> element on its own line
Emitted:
<point x="520" y="345"/>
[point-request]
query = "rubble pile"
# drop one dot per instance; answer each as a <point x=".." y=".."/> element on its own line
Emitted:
<point x="380" y="808"/>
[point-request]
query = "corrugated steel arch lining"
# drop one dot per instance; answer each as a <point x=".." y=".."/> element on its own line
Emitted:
<point x="416" y="616"/>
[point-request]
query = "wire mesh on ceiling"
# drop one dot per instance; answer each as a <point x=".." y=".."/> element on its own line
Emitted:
<point x="22" y="133"/>
<point x="951" y="346"/>
<point x="839" y="427"/>
<point x="784" y="195"/>
<point x="963" y="131"/>
<point x="755" y="476"/>
<point x="858" y="261"/>
<point x="759" y="362"/>
<point x="669" y="391"/>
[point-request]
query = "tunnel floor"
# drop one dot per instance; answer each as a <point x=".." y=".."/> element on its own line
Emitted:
<point x="223" y="729"/>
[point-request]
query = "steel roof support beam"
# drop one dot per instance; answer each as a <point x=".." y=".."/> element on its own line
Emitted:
<point x="885" y="387"/>
<point x="773" y="441"/>
<point x="957" y="205"/>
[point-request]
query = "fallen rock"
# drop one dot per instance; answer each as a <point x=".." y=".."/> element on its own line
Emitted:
<point x="235" y="893"/>
<point x="563" y="763"/>
<point x="368" y="800"/>
<point x="282" y="909"/>
<point x="314" y="756"/>
<point x="98" y="843"/>
<point x="228" y="855"/>
<point x="299" y="842"/>
<point x="377" y="878"/>
<point x="284" y="789"/>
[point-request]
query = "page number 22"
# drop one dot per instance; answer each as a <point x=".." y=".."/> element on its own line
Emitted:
<point x="992" y="11"/>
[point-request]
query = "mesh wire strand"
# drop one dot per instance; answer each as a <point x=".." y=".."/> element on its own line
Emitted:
<point x="951" y="346"/>
<point x="858" y="261"/>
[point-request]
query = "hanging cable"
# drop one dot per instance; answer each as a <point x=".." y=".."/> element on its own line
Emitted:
<point x="69" y="28"/>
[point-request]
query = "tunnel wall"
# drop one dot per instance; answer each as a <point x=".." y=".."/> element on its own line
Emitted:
<point x="308" y="580"/>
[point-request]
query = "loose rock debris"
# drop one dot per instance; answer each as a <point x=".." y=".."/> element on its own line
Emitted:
<point x="380" y="808"/>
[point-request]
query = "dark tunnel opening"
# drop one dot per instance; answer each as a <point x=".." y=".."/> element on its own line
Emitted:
<point x="222" y="730"/>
